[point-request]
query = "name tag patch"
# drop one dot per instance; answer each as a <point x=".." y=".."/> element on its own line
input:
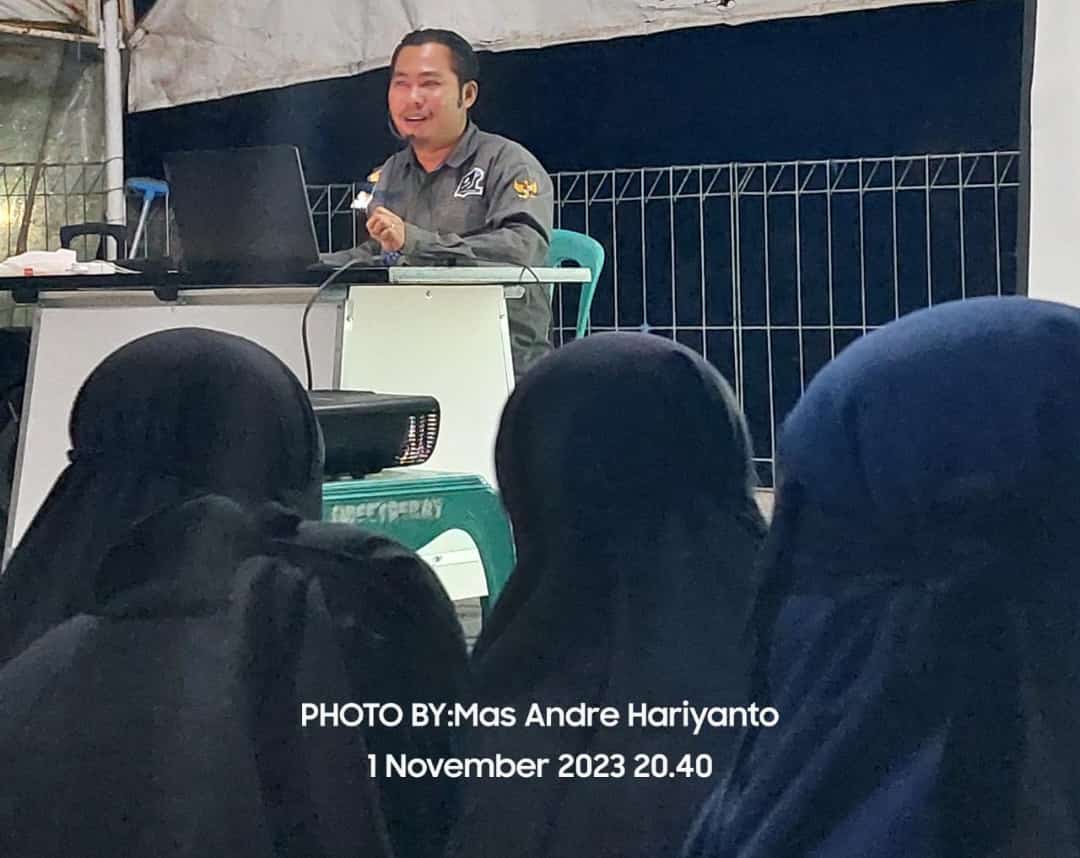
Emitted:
<point x="471" y="184"/>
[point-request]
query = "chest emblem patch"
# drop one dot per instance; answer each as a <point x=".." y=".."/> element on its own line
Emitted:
<point x="526" y="188"/>
<point x="471" y="184"/>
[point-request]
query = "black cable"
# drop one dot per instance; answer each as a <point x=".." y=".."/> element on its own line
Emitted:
<point x="536" y="277"/>
<point x="311" y="303"/>
<point x="538" y="282"/>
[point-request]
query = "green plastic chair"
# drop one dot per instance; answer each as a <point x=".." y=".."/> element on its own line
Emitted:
<point x="578" y="250"/>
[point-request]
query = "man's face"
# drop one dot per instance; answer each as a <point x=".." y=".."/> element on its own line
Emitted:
<point x="428" y="105"/>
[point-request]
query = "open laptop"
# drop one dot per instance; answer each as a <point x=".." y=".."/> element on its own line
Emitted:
<point x="242" y="213"/>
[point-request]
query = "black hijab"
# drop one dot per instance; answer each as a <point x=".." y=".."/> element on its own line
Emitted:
<point x="158" y="424"/>
<point x="165" y="720"/>
<point x="919" y="612"/>
<point x="625" y="466"/>
<point x="403" y="644"/>
<point x="166" y="417"/>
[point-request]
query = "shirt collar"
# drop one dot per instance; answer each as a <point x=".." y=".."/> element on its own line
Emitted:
<point x="465" y="149"/>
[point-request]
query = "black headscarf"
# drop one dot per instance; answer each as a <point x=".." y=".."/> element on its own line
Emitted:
<point x="625" y="466"/>
<point x="919" y="612"/>
<point x="157" y="425"/>
<point x="402" y="644"/>
<point x="165" y="720"/>
<point x="169" y="416"/>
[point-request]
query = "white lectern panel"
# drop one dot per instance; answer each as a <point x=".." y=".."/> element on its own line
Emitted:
<point x="448" y="341"/>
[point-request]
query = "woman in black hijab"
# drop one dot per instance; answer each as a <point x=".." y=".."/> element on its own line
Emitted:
<point x="625" y="466"/>
<point x="165" y="418"/>
<point x="190" y="447"/>
<point x="920" y="612"/>
<point x="159" y="653"/>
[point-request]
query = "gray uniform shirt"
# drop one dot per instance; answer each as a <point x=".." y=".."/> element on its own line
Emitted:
<point x="490" y="202"/>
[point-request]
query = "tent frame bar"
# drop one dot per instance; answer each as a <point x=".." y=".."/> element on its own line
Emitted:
<point x="45" y="33"/>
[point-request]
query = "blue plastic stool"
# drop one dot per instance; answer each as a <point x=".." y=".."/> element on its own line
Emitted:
<point x="150" y="189"/>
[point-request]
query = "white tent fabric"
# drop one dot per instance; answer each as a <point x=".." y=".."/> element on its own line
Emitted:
<point x="1054" y="251"/>
<point x="196" y="50"/>
<point x="75" y="13"/>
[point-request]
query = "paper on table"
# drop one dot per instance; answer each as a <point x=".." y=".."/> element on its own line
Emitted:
<point x="48" y="263"/>
<point x="38" y="262"/>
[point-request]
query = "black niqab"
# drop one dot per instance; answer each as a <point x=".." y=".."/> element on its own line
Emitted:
<point x="625" y="466"/>
<point x="167" y="417"/>
<point x="919" y="611"/>
<point x="402" y="644"/>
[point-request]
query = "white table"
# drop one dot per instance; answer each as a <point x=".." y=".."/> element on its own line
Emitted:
<point x="440" y="332"/>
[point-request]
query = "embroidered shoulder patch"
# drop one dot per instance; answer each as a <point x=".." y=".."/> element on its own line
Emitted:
<point x="471" y="184"/>
<point x="526" y="188"/>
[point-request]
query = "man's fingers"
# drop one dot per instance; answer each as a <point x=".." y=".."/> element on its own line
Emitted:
<point x="379" y="216"/>
<point x="383" y="225"/>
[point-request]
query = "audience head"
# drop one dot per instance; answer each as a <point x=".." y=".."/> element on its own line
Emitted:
<point x="165" y="418"/>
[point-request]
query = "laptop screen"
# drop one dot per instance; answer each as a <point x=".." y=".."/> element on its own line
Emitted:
<point x="242" y="210"/>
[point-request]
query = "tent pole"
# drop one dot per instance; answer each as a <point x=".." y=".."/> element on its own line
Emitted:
<point x="115" y="208"/>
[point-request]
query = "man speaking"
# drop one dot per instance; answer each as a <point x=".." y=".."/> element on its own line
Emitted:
<point x="456" y="194"/>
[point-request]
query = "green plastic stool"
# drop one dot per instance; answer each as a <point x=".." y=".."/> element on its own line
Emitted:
<point x="417" y="507"/>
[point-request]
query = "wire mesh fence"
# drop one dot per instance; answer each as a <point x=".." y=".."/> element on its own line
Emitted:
<point x="767" y="269"/>
<point x="770" y="269"/>
<point x="37" y="199"/>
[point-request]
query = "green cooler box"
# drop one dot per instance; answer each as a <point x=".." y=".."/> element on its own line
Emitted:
<point x="454" y="521"/>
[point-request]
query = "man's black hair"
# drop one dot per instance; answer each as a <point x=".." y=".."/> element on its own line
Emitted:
<point x="462" y="57"/>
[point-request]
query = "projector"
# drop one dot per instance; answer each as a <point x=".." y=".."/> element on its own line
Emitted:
<point x="365" y="431"/>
